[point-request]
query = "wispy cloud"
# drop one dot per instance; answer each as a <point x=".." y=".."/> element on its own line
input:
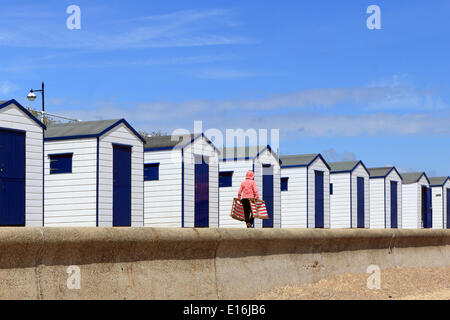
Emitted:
<point x="333" y="155"/>
<point x="6" y="87"/>
<point x="297" y="120"/>
<point x="189" y="28"/>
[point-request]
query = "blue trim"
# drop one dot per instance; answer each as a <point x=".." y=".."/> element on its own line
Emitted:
<point x="307" y="198"/>
<point x="308" y="164"/>
<point x="351" y="170"/>
<point x="441" y="185"/>
<point x="159" y="149"/>
<point x="122" y="145"/>
<point x="184" y="146"/>
<point x="388" y="173"/>
<point x="236" y="159"/>
<point x="351" y="202"/>
<point x="129" y="127"/>
<point x="84" y="136"/>
<point x="97" y="135"/>
<point x="13" y="130"/>
<point x="28" y="113"/>
<point x="218" y="200"/>
<point x="296" y="166"/>
<point x="385" y="210"/>
<point x="97" y="182"/>
<point x="182" y="188"/>
<point x="257" y="155"/>
<point x="43" y="179"/>
<point x="59" y="154"/>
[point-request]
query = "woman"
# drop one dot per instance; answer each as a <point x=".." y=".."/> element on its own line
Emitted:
<point x="247" y="191"/>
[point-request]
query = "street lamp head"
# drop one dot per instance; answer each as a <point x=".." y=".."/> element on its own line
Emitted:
<point x="31" y="96"/>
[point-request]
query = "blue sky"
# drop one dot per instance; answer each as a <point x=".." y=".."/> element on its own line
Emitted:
<point x="309" y="68"/>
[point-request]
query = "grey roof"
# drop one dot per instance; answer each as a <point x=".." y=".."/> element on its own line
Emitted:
<point x="412" y="177"/>
<point x="166" y="141"/>
<point x="343" y="166"/>
<point x="71" y="129"/>
<point x="3" y="101"/>
<point x="380" y="172"/>
<point x="298" y="160"/>
<point x="438" y="181"/>
<point x="241" y="152"/>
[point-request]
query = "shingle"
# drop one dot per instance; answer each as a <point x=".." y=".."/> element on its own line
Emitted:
<point x="298" y="160"/>
<point x="167" y="141"/>
<point x="438" y="181"/>
<point x="379" y="172"/>
<point x="241" y="152"/>
<point x="78" y="128"/>
<point x="342" y="166"/>
<point x="411" y="177"/>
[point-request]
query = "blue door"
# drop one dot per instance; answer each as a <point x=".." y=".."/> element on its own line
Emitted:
<point x="201" y="194"/>
<point x="427" y="213"/>
<point x="12" y="178"/>
<point x="394" y="205"/>
<point x="448" y="208"/>
<point x="319" y="200"/>
<point x="268" y="194"/>
<point x="360" y="202"/>
<point x="121" y="186"/>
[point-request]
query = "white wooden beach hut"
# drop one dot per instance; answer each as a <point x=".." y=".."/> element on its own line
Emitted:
<point x="416" y="201"/>
<point x="21" y="166"/>
<point x="234" y="164"/>
<point x="385" y="198"/>
<point x="349" y="195"/>
<point x="181" y="182"/>
<point x="93" y="174"/>
<point x="305" y="194"/>
<point x="440" y="190"/>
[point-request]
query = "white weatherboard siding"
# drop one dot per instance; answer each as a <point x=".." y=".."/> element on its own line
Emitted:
<point x="70" y="198"/>
<point x="380" y="201"/>
<point x="227" y="194"/>
<point x="340" y="200"/>
<point x="240" y="168"/>
<point x="293" y="201"/>
<point x="439" y="203"/>
<point x="266" y="157"/>
<point x="393" y="176"/>
<point x="162" y="197"/>
<point x="13" y="118"/>
<point x="196" y="149"/>
<point x="412" y="204"/>
<point x="359" y="171"/>
<point x="318" y="165"/>
<point x="120" y="135"/>
<point x="378" y="204"/>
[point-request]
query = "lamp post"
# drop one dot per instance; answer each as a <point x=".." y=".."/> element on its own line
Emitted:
<point x="31" y="97"/>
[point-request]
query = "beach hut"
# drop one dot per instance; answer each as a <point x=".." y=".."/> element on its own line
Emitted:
<point x="349" y="195"/>
<point x="385" y="198"/>
<point x="305" y="195"/>
<point x="440" y="193"/>
<point x="21" y="166"/>
<point x="181" y="181"/>
<point x="416" y="201"/>
<point x="93" y="174"/>
<point x="234" y="164"/>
